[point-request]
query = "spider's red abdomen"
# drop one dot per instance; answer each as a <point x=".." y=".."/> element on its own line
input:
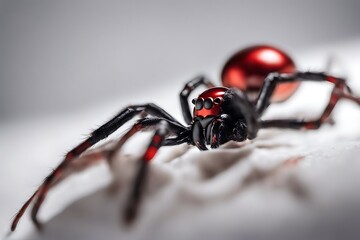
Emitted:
<point x="209" y="102"/>
<point x="248" y="68"/>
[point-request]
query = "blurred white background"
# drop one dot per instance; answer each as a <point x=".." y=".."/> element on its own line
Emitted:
<point x="59" y="56"/>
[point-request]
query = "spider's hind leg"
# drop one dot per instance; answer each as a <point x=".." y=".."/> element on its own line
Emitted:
<point x="340" y="91"/>
<point x="134" y="199"/>
<point x="273" y="79"/>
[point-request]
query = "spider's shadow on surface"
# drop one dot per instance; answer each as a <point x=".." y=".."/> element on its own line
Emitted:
<point x="98" y="214"/>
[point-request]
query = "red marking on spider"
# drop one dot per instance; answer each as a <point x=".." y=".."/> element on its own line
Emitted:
<point x="331" y="79"/>
<point x="213" y="138"/>
<point x="156" y="139"/>
<point x="150" y="153"/>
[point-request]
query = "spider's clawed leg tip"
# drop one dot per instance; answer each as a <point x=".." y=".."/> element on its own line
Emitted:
<point x="13" y="228"/>
<point x="14" y="225"/>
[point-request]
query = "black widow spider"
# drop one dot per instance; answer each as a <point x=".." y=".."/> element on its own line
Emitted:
<point x="253" y="78"/>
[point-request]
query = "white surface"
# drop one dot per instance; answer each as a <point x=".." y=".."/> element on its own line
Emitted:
<point x="198" y="194"/>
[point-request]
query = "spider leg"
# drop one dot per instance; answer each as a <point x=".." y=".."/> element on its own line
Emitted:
<point x="132" y="206"/>
<point x="183" y="137"/>
<point x="84" y="162"/>
<point x="163" y="128"/>
<point x="198" y="136"/>
<point x="215" y="133"/>
<point x="273" y="79"/>
<point x="340" y="90"/>
<point x="99" y="134"/>
<point x="215" y="130"/>
<point x="145" y="124"/>
<point x="185" y="93"/>
<point x="336" y="95"/>
<point x="223" y="129"/>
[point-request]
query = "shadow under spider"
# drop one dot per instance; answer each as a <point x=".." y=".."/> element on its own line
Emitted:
<point x="255" y="176"/>
<point x="217" y="161"/>
<point x="292" y="181"/>
<point x="210" y="163"/>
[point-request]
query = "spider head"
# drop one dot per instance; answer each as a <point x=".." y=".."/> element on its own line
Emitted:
<point x="214" y="106"/>
<point x="208" y="103"/>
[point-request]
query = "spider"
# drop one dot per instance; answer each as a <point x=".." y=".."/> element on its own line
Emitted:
<point x="252" y="79"/>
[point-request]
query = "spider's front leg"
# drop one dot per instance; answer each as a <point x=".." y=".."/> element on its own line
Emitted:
<point x="131" y="208"/>
<point x="223" y="129"/>
<point x="99" y="134"/>
<point x="163" y="128"/>
<point x="340" y="90"/>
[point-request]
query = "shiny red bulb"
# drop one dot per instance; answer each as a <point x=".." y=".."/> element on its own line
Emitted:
<point x="248" y="68"/>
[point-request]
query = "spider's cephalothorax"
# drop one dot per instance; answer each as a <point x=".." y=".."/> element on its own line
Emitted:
<point x="253" y="79"/>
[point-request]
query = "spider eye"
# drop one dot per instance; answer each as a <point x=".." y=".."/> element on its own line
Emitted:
<point x="199" y="103"/>
<point x="193" y="101"/>
<point x="218" y="100"/>
<point x="208" y="103"/>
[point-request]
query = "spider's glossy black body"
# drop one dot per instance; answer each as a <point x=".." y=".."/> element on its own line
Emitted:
<point x="254" y="78"/>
